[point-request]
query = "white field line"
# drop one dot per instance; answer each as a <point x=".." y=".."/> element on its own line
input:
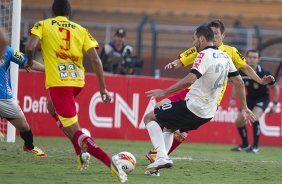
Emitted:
<point x="225" y="160"/>
<point x="218" y="160"/>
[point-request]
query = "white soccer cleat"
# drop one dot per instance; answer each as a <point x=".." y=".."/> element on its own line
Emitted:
<point x="116" y="169"/>
<point x="152" y="173"/>
<point x="159" y="163"/>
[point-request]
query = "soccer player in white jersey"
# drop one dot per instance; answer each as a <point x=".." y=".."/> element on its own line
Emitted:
<point x="207" y="78"/>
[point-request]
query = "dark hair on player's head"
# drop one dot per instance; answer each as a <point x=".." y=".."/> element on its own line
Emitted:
<point x="217" y="24"/>
<point x="205" y="31"/>
<point x="61" y="8"/>
<point x="252" y="51"/>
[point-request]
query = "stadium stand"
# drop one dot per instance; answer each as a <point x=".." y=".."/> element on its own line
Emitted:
<point x="166" y="12"/>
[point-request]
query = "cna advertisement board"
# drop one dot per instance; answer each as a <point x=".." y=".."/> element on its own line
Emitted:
<point x="123" y="117"/>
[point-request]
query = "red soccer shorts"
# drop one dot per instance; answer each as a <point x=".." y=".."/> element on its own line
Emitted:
<point x="63" y="98"/>
<point x="180" y="95"/>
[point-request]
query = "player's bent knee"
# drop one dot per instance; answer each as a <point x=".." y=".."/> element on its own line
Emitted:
<point x="180" y="137"/>
<point x="149" y="117"/>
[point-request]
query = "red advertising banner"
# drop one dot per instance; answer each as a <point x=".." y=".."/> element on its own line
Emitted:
<point x="123" y="117"/>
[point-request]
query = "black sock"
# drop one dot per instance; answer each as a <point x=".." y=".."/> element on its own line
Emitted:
<point x="256" y="131"/>
<point x="244" y="136"/>
<point x="28" y="139"/>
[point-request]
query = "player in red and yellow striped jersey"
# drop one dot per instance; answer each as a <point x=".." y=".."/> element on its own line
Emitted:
<point x="187" y="58"/>
<point x="62" y="43"/>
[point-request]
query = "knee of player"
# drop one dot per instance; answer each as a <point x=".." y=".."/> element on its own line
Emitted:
<point x="149" y="117"/>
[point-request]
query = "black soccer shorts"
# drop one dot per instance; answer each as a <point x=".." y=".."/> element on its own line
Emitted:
<point x="259" y="102"/>
<point x="176" y="116"/>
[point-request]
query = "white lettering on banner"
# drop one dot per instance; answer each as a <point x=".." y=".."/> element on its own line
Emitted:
<point x="131" y="114"/>
<point x="120" y="107"/>
<point x="35" y="106"/>
<point x="226" y="116"/>
<point x="104" y="122"/>
<point x="272" y="131"/>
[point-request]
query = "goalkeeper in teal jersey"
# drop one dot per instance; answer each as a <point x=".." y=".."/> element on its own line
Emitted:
<point x="9" y="108"/>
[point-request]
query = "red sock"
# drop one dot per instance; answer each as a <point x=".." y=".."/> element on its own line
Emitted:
<point x="174" y="145"/>
<point x="92" y="147"/>
<point x="76" y="148"/>
<point x="177" y="142"/>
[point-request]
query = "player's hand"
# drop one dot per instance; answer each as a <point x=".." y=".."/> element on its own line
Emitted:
<point x="273" y="109"/>
<point x="232" y="103"/>
<point x="170" y="65"/>
<point x="267" y="79"/>
<point x="27" y="66"/>
<point x="155" y="93"/>
<point x="106" y="98"/>
<point x="248" y="115"/>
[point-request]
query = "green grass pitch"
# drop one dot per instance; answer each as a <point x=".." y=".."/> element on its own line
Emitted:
<point x="193" y="163"/>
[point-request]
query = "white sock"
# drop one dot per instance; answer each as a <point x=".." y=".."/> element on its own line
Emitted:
<point x="156" y="135"/>
<point x="168" y="139"/>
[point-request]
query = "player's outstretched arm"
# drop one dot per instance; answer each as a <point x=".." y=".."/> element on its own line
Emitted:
<point x="276" y="93"/>
<point x="31" y="44"/>
<point x="240" y="89"/>
<point x="232" y="102"/>
<point x="253" y="75"/>
<point x="3" y="40"/>
<point x="183" y="83"/>
<point x="98" y="68"/>
<point x="35" y="66"/>
<point x="174" y="64"/>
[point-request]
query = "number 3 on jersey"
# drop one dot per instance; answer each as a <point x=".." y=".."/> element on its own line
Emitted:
<point x="66" y="39"/>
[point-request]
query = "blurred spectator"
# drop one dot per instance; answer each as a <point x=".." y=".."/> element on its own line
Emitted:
<point x="117" y="56"/>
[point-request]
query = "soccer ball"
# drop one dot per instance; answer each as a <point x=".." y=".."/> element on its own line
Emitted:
<point x="85" y="131"/>
<point x="128" y="161"/>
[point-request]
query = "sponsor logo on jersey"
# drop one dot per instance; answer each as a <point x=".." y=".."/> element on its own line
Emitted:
<point x="65" y="24"/>
<point x="71" y="67"/>
<point x="189" y="52"/>
<point x="62" y="67"/>
<point x="240" y="55"/>
<point x="73" y="74"/>
<point x="219" y="55"/>
<point x="198" y="60"/>
<point x="37" y="25"/>
<point x="63" y="75"/>
<point x="65" y="56"/>
<point x="18" y="55"/>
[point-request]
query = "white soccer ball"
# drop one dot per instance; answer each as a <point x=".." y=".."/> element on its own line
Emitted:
<point x="85" y="156"/>
<point x="127" y="160"/>
<point x="85" y="131"/>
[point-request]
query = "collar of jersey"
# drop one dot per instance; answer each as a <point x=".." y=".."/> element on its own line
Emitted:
<point x="61" y="18"/>
<point x="210" y="47"/>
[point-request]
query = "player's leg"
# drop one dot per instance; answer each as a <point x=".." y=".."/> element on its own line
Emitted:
<point x="241" y="127"/>
<point x="156" y="136"/>
<point x="179" y="137"/>
<point x="152" y="154"/>
<point x="258" y="110"/>
<point x="173" y="116"/>
<point x="13" y="113"/>
<point x="53" y="113"/>
<point x="64" y="103"/>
